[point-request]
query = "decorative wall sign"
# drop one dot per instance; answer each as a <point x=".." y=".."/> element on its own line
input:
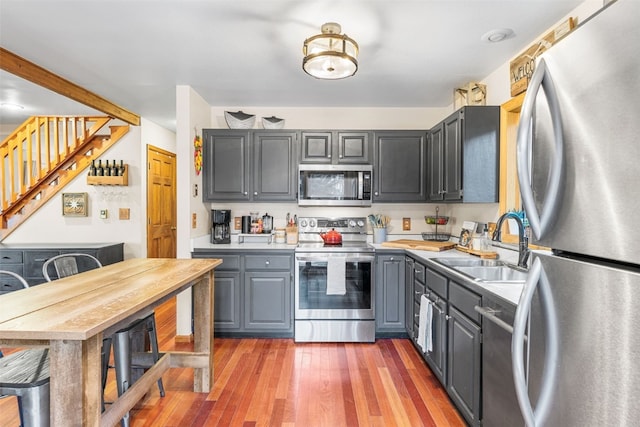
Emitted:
<point x="197" y="154"/>
<point x="521" y="68"/>
<point x="74" y="204"/>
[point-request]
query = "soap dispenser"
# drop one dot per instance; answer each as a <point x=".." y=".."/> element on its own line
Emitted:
<point x="486" y="244"/>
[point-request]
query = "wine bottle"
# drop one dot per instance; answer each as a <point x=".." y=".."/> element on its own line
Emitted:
<point x="92" y="168"/>
<point x="100" y="170"/>
<point x="115" y="169"/>
<point x="107" y="168"/>
<point x="121" y="167"/>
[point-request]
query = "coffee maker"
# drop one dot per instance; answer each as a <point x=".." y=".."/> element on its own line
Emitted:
<point x="220" y="226"/>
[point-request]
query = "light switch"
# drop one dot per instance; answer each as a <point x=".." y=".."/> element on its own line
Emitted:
<point x="103" y="213"/>
<point x="194" y="221"/>
<point x="406" y="224"/>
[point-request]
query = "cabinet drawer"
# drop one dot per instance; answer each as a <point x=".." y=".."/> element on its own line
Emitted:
<point x="10" y="257"/>
<point x="464" y="300"/>
<point x="9" y="283"/>
<point x="437" y="283"/>
<point x="267" y="262"/>
<point x="33" y="261"/>
<point x="418" y="271"/>
<point x="229" y="262"/>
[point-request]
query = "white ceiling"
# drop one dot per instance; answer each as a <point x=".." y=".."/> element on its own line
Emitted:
<point x="239" y="53"/>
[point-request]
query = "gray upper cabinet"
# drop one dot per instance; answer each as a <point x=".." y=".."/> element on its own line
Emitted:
<point x="247" y="166"/>
<point x="400" y="159"/>
<point x="464" y="156"/>
<point x="435" y="154"/>
<point x="274" y="166"/>
<point x="336" y="147"/>
<point x="225" y="165"/>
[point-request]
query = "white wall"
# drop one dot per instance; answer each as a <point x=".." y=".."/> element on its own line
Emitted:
<point x="48" y="225"/>
<point x="192" y="115"/>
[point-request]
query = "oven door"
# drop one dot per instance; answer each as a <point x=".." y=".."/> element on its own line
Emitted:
<point x="314" y="301"/>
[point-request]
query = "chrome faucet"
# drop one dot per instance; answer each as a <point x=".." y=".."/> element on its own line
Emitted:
<point x="523" y="241"/>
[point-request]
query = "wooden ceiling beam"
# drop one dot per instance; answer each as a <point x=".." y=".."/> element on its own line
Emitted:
<point x="27" y="70"/>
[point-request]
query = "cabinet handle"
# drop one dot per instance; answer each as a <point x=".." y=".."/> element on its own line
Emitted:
<point x="447" y="317"/>
<point x="329" y="156"/>
<point x="417" y="292"/>
<point x="375" y="193"/>
<point x="245" y="193"/>
<point x="266" y="263"/>
<point x="391" y="259"/>
<point x="255" y="193"/>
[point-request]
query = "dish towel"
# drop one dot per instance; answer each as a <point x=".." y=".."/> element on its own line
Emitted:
<point x="424" y="325"/>
<point x="336" y="276"/>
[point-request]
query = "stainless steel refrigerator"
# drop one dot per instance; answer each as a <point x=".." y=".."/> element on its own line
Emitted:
<point x="578" y="156"/>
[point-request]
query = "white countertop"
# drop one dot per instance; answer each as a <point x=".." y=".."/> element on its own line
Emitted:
<point x="508" y="291"/>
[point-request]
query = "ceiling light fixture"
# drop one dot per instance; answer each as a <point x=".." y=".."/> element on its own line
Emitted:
<point x="330" y="55"/>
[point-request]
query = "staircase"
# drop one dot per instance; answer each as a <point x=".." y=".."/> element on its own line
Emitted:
<point x="58" y="149"/>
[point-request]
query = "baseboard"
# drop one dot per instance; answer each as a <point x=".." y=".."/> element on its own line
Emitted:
<point x="184" y="338"/>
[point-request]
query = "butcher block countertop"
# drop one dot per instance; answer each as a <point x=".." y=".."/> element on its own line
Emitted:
<point x="421" y="245"/>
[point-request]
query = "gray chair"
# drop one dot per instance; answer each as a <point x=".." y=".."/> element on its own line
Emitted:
<point x="68" y="265"/>
<point x="25" y="374"/>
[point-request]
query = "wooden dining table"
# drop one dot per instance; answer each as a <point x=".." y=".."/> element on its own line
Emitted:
<point x="71" y="315"/>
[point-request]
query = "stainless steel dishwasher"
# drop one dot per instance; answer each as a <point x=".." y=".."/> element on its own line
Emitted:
<point x="499" y="401"/>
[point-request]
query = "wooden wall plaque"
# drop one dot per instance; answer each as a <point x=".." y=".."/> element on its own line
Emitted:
<point x="521" y="68"/>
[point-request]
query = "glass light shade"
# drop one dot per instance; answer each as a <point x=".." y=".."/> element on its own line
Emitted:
<point x="330" y="56"/>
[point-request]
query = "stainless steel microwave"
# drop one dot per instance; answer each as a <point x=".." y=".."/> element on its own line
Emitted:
<point x="334" y="185"/>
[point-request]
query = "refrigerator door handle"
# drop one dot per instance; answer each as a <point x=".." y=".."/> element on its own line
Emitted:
<point x="537" y="279"/>
<point x="540" y="223"/>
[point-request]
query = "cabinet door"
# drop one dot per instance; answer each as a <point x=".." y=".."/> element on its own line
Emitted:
<point x="267" y="301"/>
<point x="354" y="147"/>
<point x="316" y="147"/>
<point x="400" y="166"/>
<point x="453" y="156"/>
<point x="274" y="166"/>
<point x="437" y="357"/>
<point x="227" y="301"/>
<point x="464" y="370"/>
<point x="390" y="293"/>
<point x="409" y="296"/>
<point x="225" y="167"/>
<point x="435" y="156"/>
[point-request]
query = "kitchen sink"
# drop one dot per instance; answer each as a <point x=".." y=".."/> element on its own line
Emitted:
<point x="500" y="273"/>
<point x="468" y="262"/>
<point x="485" y="270"/>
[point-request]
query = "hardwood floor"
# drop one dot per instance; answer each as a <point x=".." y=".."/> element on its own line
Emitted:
<point x="275" y="382"/>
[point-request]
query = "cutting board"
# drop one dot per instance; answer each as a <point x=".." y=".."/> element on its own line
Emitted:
<point x="421" y="245"/>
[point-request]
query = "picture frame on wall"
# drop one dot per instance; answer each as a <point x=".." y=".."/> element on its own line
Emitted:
<point x="74" y="204"/>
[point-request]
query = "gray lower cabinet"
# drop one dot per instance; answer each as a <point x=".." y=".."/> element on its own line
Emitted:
<point x="27" y="259"/>
<point x="410" y="313"/>
<point x="390" y="294"/>
<point x="253" y="292"/>
<point x="455" y="354"/>
<point x="436" y="292"/>
<point x="246" y="166"/>
<point x="400" y="159"/>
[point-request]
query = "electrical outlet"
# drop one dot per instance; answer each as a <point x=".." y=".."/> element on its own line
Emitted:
<point x="103" y="213"/>
<point x="237" y="223"/>
<point x="406" y="224"/>
<point x="123" y="213"/>
<point x="193" y="220"/>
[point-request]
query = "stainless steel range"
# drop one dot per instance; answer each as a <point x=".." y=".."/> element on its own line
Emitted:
<point x="334" y="283"/>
